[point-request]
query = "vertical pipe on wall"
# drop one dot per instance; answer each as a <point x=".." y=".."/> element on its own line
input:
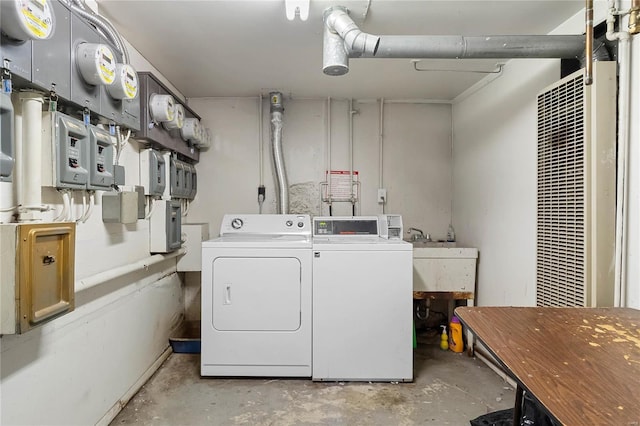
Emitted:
<point x="328" y="177"/>
<point x="351" y="112"/>
<point x="624" y="87"/>
<point x="30" y="196"/>
<point x="278" y="156"/>
<point x="380" y="148"/>
<point x="588" y="79"/>
<point x="260" y="144"/>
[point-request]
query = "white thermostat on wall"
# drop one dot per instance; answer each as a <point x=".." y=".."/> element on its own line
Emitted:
<point x="191" y="130"/>
<point x="125" y="85"/>
<point x="162" y="107"/>
<point x="27" y="19"/>
<point x="178" y="119"/>
<point x="96" y="63"/>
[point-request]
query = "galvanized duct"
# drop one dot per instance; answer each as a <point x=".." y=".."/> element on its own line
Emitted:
<point x="343" y="40"/>
<point x="276" y="110"/>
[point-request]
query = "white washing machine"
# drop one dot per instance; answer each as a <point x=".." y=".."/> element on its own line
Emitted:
<point x="256" y="297"/>
<point x="362" y="302"/>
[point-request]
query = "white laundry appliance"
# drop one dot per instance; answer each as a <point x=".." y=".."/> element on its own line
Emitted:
<point x="256" y="297"/>
<point x="362" y="302"/>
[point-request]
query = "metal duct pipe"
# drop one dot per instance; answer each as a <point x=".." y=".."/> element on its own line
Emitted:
<point x="359" y="44"/>
<point x="276" y="110"/>
<point x="588" y="77"/>
<point x="102" y="24"/>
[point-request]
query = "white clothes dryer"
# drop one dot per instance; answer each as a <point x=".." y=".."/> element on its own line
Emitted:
<point x="256" y="297"/>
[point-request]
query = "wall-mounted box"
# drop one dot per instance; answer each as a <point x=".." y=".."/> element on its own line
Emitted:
<point x="6" y="138"/>
<point x="154" y="133"/>
<point x="165" y="228"/>
<point x="65" y="151"/>
<point x="82" y="93"/>
<point x="100" y="159"/>
<point x="195" y="234"/>
<point x="36" y="274"/>
<point x="19" y="54"/>
<point x="120" y="207"/>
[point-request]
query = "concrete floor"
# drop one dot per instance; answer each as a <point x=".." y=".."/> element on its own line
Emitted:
<point x="448" y="389"/>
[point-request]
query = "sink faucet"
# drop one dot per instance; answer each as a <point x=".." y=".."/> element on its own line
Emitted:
<point x="418" y="236"/>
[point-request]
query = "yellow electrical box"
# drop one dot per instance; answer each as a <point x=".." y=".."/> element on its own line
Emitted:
<point x="37" y="273"/>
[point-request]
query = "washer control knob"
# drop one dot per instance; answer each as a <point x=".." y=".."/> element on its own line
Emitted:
<point x="237" y="223"/>
<point x="300" y="224"/>
<point x="289" y="223"/>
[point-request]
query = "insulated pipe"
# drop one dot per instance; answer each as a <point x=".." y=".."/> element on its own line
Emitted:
<point x="359" y="44"/>
<point x="30" y="199"/>
<point x="278" y="158"/>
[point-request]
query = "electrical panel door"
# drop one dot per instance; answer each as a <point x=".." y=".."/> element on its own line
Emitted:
<point x="152" y="172"/>
<point x="71" y="145"/>
<point x="100" y="159"/>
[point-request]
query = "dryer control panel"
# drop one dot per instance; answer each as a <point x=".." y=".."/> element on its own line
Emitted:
<point x="266" y="224"/>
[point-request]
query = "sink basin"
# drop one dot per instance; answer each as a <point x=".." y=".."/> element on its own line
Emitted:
<point x="443" y="267"/>
<point x="423" y="243"/>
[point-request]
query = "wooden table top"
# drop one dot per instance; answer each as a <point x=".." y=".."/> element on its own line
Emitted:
<point x="582" y="364"/>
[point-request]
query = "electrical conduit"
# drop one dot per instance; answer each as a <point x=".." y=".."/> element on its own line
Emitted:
<point x="30" y="196"/>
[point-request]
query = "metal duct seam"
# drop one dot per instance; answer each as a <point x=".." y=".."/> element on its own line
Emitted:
<point x="278" y="157"/>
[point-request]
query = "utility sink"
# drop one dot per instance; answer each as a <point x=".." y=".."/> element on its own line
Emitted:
<point x="439" y="266"/>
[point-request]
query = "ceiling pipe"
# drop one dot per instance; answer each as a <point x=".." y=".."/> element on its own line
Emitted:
<point x="343" y="40"/>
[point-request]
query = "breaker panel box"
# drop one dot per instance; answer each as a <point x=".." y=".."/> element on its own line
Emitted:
<point x="152" y="172"/>
<point x="100" y="159"/>
<point x="82" y="93"/>
<point x="18" y="54"/>
<point x="194" y="183"/>
<point x="165" y="228"/>
<point x="65" y="151"/>
<point x="6" y="138"/>
<point x="37" y="281"/>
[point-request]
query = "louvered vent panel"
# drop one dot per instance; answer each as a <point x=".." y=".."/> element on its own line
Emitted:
<point x="566" y="261"/>
<point x="561" y="196"/>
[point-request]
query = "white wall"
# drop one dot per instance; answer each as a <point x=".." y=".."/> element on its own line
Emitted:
<point x="495" y="176"/>
<point x="416" y="157"/>
<point x="74" y="369"/>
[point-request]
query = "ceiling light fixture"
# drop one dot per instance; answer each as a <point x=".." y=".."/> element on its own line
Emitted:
<point x="297" y="7"/>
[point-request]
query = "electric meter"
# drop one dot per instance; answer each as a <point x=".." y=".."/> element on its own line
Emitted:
<point x="205" y="140"/>
<point x="96" y="63"/>
<point x="27" y="19"/>
<point x="162" y="107"/>
<point x="125" y="85"/>
<point x="178" y="119"/>
<point x="191" y="130"/>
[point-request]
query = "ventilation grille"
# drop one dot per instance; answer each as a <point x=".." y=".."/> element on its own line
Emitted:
<point x="561" y="196"/>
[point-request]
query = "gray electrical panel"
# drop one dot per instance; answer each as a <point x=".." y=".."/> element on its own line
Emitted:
<point x="194" y="183"/>
<point x="110" y="108"/>
<point x="100" y="159"/>
<point x="82" y="93"/>
<point x="175" y="177"/>
<point x="153" y="172"/>
<point x="165" y="227"/>
<point x="18" y="54"/>
<point x="188" y="181"/>
<point x="131" y="113"/>
<point x="52" y="57"/>
<point x="71" y="145"/>
<point x="6" y="137"/>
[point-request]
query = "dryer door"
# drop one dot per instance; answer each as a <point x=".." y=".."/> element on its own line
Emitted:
<point x="256" y="293"/>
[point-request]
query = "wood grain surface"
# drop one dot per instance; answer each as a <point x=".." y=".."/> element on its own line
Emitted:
<point x="582" y="364"/>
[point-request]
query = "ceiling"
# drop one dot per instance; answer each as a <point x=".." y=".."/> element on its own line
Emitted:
<point x="245" y="48"/>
